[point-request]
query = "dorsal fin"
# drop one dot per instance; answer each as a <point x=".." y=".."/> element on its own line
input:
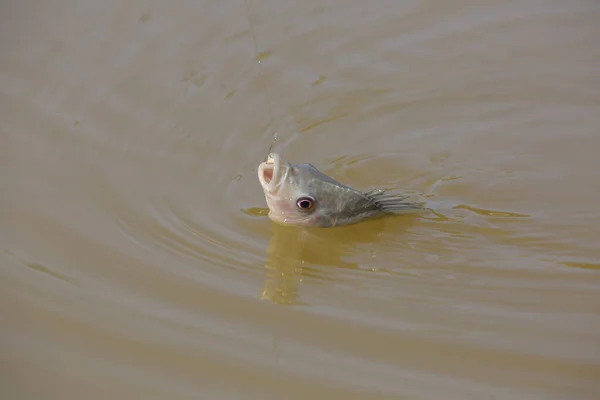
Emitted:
<point x="391" y="203"/>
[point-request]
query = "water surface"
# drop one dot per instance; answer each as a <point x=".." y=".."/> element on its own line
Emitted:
<point x="136" y="258"/>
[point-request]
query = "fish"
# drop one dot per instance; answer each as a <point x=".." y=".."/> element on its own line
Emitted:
<point x="301" y="195"/>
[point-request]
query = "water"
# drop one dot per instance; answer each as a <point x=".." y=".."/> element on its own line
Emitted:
<point x="137" y="260"/>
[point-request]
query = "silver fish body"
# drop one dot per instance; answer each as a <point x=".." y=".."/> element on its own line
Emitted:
<point x="301" y="195"/>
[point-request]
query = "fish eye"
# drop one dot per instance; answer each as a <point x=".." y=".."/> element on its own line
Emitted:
<point x="305" y="203"/>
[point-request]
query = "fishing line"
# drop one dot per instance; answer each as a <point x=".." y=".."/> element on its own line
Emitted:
<point x="257" y="54"/>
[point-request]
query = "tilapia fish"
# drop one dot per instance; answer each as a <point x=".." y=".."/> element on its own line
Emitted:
<point x="301" y="195"/>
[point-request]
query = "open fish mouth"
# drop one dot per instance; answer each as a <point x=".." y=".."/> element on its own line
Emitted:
<point x="269" y="172"/>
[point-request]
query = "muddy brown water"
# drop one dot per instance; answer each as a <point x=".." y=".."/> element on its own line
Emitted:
<point x="136" y="258"/>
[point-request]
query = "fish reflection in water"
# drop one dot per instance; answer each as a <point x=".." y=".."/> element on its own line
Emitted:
<point x="295" y="254"/>
<point x="286" y="264"/>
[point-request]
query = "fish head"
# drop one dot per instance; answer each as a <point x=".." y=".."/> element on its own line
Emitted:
<point x="301" y="195"/>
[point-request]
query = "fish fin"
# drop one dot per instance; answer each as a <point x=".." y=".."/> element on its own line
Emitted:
<point x="392" y="203"/>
